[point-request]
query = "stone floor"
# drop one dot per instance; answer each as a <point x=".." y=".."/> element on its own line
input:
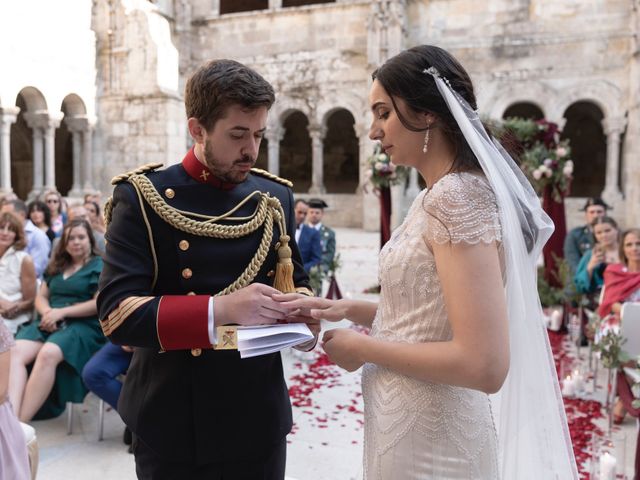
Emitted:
<point x="326" y="443"/>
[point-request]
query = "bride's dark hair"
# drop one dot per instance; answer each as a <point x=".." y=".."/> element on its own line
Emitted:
<point x="402" y="76"/>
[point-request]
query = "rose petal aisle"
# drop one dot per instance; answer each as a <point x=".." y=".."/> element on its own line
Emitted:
<point x="581" y="413"/>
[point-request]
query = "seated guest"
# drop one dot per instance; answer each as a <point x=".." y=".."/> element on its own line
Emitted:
<point x="54" y="202"/>
<point x="588" y="277"/>
<point x="101" y="373"/>
<point x="17" y="274"/>
<point x="14" y="459"/>
<point x="93" y="215"/>
<point x="307" y="238"/>
<point x="40" y="216"/>
<point x="622" y="284"/>
<point x="66" y="332"/>
<point x="79" y="211"/>
<point x="38" y="245"/>
<point x="580" y="239"/>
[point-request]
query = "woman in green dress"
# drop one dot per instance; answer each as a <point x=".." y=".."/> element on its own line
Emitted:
<point x="65" y="334"/>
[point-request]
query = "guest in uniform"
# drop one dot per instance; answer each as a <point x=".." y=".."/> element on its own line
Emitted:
<point x="327" y="235"/>
<point x="580" y="239"/>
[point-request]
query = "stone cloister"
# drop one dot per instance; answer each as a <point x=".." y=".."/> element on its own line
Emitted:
<point x="119" y="80"/>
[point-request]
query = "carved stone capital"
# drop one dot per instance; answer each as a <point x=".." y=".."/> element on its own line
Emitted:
<point x="77" y="124"/>
<point x="36" y="120"/>
<point x="614" y="126"/>
<point x="317" y="132"/>
<point x="9" y="115"/>
<point x="274" y="134"/>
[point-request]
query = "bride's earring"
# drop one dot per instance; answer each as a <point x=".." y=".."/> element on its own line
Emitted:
<point x="425" y="147"/>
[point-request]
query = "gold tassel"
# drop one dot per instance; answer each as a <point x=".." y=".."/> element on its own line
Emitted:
<point x="283" y="280"/>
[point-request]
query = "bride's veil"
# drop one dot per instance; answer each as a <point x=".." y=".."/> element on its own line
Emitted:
<point x="533" y="436"/>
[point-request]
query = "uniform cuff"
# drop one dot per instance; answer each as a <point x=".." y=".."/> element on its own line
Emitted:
<point x="182" y="322"/>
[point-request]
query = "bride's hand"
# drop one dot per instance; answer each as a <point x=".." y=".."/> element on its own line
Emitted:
<point x="342" y="346"/>
<point x="314" y="307"/>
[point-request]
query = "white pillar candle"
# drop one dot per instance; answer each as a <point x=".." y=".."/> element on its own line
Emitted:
<point x="555" y="321"/>
<point x="568" y="387"/>
<point x="607" y="466"/>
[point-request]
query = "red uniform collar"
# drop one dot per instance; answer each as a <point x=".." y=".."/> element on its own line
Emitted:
<point x="202" y="174"/>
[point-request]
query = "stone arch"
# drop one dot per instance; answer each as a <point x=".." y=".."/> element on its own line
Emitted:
<point x="295" y="149"/>
<point x="340" y="152"/>
<point x="27" y="134"/>
<point x="34" y="100"/>
<point x="538" y="94"/>
<point x="583" y="128"/>
<point x="528" y="110"/>
<point x="605" y="95"/>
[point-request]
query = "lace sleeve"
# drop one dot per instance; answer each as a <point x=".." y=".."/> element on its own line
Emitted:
<point x="6" y="339"/>
<point x="461" y="208"/>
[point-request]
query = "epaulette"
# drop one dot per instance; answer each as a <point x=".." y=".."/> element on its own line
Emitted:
<point x="271" y="176"/>
<point x="149" y="167"/>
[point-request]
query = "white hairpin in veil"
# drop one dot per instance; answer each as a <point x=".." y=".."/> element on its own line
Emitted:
<point x="533" y="436"/>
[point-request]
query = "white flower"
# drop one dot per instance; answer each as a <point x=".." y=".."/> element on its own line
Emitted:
<point x="569" y="164"/>
<point x="537" y="174"/>
<point x="378" y="166"/>
<point x="548" y="172"/>
<point x="547" y="162"/>
<point x="561" y="152"/>
<point x="382" y="157"/>
<point x="567" y="172"/>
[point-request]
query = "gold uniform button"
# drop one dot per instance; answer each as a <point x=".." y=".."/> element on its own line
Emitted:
<point x="183" y="245"/>
<point x="169" y="193"/>
<point x="187" y="273"/>
<point x="196" y="352"/>
<point x="191" y="293"/>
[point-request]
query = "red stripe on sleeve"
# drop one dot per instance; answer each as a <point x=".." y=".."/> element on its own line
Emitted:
<point x="183" y="322"/>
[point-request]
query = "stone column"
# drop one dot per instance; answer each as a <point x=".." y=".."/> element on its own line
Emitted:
<point x="75" y="126"/>
<point x="317" y="134"/>
<point x="215" y="8"/>
<point x="274" y="136"/>
<point x="613" y="129"/>
<point x="37" y="121"/>
<point x="87" y="159"/>
<point x="8" y="116"/>
<point x="49" y="153"/>
<point x="274" y="4"/>
<point x="370" y="203"/>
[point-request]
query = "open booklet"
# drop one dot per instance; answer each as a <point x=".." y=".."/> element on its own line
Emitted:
<point x="252" y="341"/>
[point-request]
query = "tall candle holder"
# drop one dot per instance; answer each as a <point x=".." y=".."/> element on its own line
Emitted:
<point x="608" y="459"/>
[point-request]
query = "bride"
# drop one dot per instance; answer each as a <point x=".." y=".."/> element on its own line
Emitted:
<point x="458" y="378"/>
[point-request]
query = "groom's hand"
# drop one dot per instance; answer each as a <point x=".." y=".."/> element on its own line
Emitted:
<point x="251" y="305"/>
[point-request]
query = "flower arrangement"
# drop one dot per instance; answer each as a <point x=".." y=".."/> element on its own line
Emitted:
<point x="608" y="341"/>
<point x="546" y="159"/>
<point x="381" y="171"/>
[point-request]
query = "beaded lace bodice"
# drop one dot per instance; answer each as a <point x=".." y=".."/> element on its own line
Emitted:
<point x="415" y="429"/>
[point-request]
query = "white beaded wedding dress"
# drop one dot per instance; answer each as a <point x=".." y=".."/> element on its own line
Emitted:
<point x="415" y="429"/>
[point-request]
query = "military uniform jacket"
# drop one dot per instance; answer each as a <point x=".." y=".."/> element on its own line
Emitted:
<point x="577" y="241"/>
<point x="328" y="241"/>
<point x="202" y="406"/>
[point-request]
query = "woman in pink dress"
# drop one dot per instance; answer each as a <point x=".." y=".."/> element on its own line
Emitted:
<point x="14" y="462"/>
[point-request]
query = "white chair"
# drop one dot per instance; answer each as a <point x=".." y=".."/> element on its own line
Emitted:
<point x="32" y="448"/>
<point x="100" y="419"/>
<point x="630" y="330"/>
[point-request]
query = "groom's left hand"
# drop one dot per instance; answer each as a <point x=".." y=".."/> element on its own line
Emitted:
<point x="344" y="347"/>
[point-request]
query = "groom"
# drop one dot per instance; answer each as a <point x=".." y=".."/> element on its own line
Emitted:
<point x="198" y="413"/>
